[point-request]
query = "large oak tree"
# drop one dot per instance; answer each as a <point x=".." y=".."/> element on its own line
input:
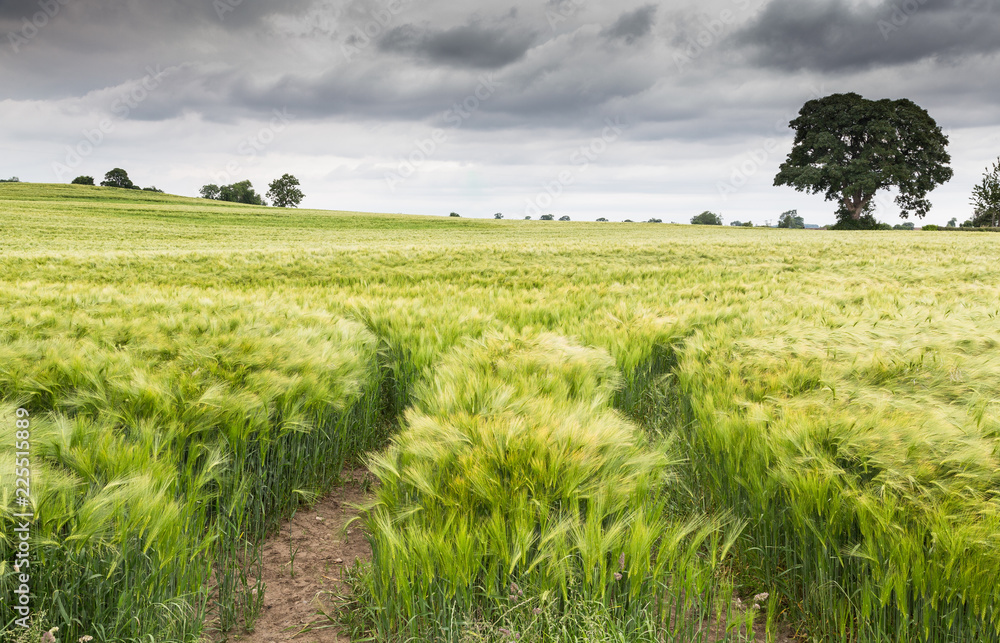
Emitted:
<point x="849" y="148"/>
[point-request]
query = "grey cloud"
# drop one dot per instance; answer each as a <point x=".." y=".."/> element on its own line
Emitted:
<point x="472" y="45"/>
<point x="632" y="25"/>
<point x="151" y="16"/>
<point x="75" y="47"/>
<point x="838" y="35"/>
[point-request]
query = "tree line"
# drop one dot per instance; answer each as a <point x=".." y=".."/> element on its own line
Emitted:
<point x="283" y="192"/>
<point x="116" y="178"/>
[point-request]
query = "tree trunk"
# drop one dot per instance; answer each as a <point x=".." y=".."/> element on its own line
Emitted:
<point x="856" y="205"/>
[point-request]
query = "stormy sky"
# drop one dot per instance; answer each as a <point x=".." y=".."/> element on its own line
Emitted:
<point x="631" y="109"/>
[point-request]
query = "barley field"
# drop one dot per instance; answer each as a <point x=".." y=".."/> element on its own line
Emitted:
<point x="581" y="431"/>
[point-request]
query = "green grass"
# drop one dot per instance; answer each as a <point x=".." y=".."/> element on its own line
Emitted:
<point x="195" y="369"/>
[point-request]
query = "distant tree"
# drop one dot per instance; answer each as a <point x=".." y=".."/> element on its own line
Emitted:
<point x="748" y="224"/>
<point x="564" y="218"/>
<point x="547" y="217"/>
<point x="118" y="178"/>
<point x="528" y="218"/>
<point x="791" y="219"/>
<point x="455" y="214"/>
<point x="285" y="192"/>
<point x="152" y="188"/>
<point x="210" y="191"/>
<point x="498" y="216"/>
<point x="736" y="224"/>
<point x="603" y="220"/>
<point x="707" y="218"/>
<point x="953" y="223"/>
<point x="986" y="199"/>
<point x="849" y="148"/>
<point x="908" y="225"/>
<point x="12" y="179"/>
<point x="82" y="180"/>
<point x="627" y="221"/>
<point x="241" y="192"/>
<point x="654" y="220"/>
<point x="968" y="224"/>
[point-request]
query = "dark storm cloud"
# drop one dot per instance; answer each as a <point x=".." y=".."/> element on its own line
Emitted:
<point x="55" y="49"/>
<point x="470" y="45"/>
<point x="632" y="25"/>
<point x="163" y="16"/>
<point x="836" y="35"/>
<point x="416" y="63"/>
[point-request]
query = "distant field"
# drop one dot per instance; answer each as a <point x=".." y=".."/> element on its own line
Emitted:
<point x="809" y="414"/>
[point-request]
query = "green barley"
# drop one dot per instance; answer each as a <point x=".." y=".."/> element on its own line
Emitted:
<point x="192" y="368"/>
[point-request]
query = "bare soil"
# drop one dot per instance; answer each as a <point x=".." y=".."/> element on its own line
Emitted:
<point x="322" y="549"/>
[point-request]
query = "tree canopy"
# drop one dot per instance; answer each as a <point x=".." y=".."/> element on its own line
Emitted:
<point x="210" y="191"/>
<point x="707" y="218"/>
<point x="849" y="148"/>
<point x="285" y="192"/>
<point x="240" y="192"/>
<point x="83" y="180"/>
<point x="986" y="199"/>
<point x="791" y="219"/>
<point x="118" y="178"/>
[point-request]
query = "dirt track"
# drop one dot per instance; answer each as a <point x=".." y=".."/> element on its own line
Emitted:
<point x="322" y="549"/>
